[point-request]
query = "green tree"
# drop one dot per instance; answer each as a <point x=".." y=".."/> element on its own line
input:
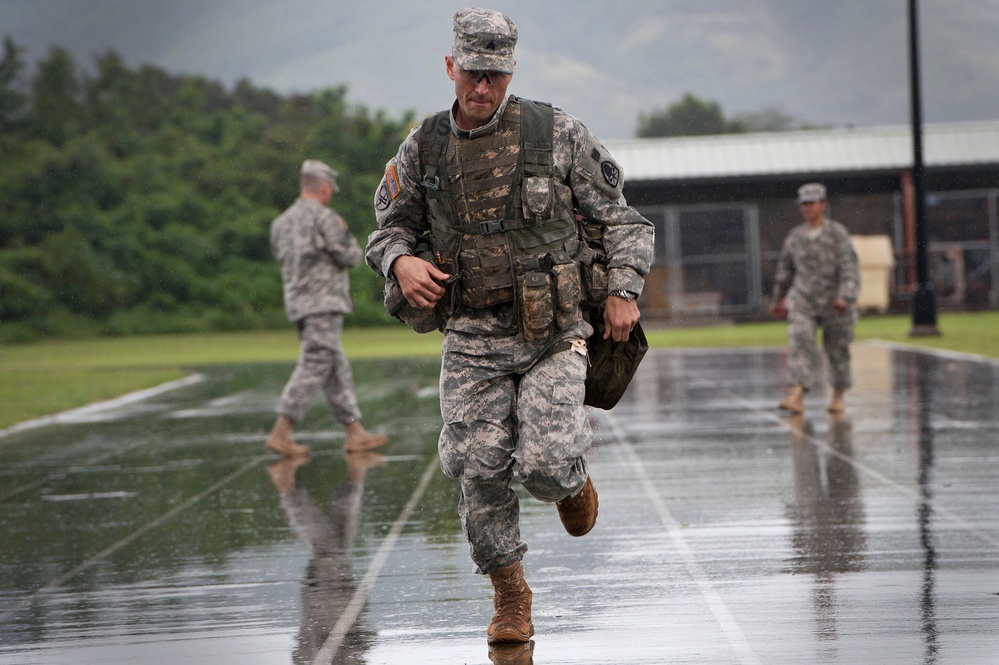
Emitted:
<point x="12" y="98"/>
<point x="134" y="200"/>
<point x="692" y="116"/>
<point x="55" y="105"/>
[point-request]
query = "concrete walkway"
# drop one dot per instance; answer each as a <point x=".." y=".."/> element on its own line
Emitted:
<point x="158" y="532"/>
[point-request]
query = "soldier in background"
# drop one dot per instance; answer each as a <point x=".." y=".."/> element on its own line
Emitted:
<point x="816" y="286"/>
<point x="493" y="182"/>
<point x="315" y="249"/>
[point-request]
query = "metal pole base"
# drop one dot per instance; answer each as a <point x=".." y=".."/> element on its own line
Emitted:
<point x="924" y="313"/>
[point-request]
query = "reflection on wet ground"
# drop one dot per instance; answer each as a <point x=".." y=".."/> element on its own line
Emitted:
<point x="159" y="531"/>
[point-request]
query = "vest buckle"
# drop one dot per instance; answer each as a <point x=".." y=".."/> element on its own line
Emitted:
<point x="492" y="226"/>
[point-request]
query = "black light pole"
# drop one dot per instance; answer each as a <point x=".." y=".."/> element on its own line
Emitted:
<point x="924" y="310"/>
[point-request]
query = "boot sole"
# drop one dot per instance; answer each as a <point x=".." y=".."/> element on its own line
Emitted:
<point x="510" y="635"/>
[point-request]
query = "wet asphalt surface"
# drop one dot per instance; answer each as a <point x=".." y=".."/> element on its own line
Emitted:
<point x="158" y="530"/>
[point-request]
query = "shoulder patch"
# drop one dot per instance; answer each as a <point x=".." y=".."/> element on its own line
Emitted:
<point x="382" y="198"/>
<point x="392" y="181"/>
<point x="388" y="190"/>
<point x="612" y="174"/>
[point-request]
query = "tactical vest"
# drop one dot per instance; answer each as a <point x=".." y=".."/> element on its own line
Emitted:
<point x="497" y="221"/>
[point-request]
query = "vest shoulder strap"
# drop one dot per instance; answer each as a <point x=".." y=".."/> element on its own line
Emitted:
<point x="433" y="138"/>
<point x="537" y="130"/>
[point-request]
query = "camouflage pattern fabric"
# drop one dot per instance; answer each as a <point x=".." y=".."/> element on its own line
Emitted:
<point x="510" y="410"/>
<point x="315" y="250"/>
<point x="505" y="404"/>
<point x="322" y="364"/>
<point x="804" y="359"/>
<point x="813" y="271"/>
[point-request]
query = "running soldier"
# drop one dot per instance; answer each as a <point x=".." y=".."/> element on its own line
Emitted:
<point x="477" y="226"/>
<point x="817" y="283"/>
<point x="315" y="249"/>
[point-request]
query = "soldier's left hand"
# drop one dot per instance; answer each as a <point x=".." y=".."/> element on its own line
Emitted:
<point x="839" y="305"/>
<point x="620" y="316"/>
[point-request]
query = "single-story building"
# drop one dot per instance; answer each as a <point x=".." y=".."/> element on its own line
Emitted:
<point x="723" y="204"/>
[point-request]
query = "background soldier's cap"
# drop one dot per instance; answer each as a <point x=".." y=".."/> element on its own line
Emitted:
<point x="813" y="191"/>
<point x="484" y="40"/>
<point x="319" y="169"/>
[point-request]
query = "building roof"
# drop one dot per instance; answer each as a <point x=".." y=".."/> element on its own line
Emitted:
<point x="826" y="151"/>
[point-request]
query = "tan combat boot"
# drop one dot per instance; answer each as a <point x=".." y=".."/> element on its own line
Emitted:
<point x="281" y="441"/>
<point x="795" y="400"/>
<point x="579" y="513"/>
<point x="836" y="404"/>
<point x="360" y="439"/>
<point x="512" y="604"/>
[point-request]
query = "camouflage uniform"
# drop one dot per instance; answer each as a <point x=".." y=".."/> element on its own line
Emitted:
<point x="815" y="269"/>
<point x="509" y="405"/>
<point x="316" y="250"/>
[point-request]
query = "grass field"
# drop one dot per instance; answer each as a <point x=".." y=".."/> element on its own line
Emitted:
<point x="53" y="376"/>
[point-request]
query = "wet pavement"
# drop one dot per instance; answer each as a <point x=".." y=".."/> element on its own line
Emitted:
<point x="157" y="530"/>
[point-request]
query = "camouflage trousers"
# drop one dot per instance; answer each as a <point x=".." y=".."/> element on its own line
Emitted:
<point x="321" y="364"/>
<point x="804" y="358"/>
<point x="509" y="410"/>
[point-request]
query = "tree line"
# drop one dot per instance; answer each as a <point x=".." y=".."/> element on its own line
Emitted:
<point x="693" y="116"/>
<point x="133" y="200"/>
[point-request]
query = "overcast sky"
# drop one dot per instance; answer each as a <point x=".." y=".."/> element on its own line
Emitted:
<point x="838" y="62"/>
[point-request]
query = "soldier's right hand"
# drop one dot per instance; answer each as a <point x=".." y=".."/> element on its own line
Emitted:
<point x="419" y="280"/>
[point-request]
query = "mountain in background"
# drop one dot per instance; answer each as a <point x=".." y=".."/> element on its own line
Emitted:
<point x="837" y="63"/>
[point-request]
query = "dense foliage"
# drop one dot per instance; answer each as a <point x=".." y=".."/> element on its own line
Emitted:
<point x="133" y="200"/>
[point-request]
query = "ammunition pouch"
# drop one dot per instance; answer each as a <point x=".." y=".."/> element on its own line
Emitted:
<point x="549" y="296"/>
<point x="486" y="268"/>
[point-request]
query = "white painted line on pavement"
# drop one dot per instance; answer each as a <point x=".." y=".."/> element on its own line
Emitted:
<point x="75" y="415"/>
<point x="130" y="538"/>
<point x="329" y="650"/>
<point x="913" y="494"/>
<point x="729" y="626"/>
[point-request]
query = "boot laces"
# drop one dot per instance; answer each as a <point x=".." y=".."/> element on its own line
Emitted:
<point x="511" y="595"/>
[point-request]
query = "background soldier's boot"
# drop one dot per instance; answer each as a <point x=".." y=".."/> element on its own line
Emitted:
<point x="795" y="400"/>
<point x="836" y="404"/>
<point x="360" y="439"/>
<point x="579" y="513"/>
<point x="512" y="605"/>
<point x="281" y="441"/>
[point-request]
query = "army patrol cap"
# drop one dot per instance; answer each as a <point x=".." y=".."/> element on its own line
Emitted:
<point x="484" y="40"/>
<point x="812" y="191"/>
<point x="319" y="169"/>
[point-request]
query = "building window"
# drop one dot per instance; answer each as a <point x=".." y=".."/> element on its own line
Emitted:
<point x="705" y="262"/>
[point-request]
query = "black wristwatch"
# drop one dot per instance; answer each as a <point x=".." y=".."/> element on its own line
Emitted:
<point x="621" y="293"/>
